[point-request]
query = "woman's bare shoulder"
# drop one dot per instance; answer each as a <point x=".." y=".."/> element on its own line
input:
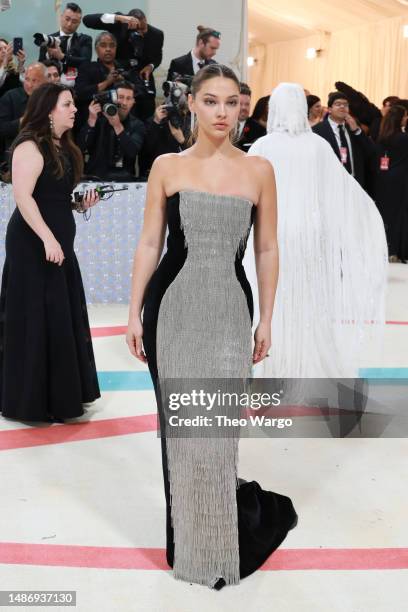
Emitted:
<point x="28" y="147"/>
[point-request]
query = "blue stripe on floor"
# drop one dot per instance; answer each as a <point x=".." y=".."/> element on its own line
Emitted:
<point x="141" y="381"/>
<point x="384" y="373"/>
<point x="125" y="381"/>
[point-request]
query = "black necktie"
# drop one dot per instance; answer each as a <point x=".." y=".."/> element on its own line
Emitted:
<point x="64" y="43"/>
<point x="201" y="64"/>
<point x="344" y="144"/>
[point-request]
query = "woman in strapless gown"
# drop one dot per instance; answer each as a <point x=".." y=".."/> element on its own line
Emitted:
<point x="197" y="324"/>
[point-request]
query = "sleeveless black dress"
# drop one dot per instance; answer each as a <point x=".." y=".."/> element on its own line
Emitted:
<point x="47" y="365"/>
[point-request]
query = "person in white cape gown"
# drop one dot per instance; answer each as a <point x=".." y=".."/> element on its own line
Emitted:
<point x="332" y="251"/>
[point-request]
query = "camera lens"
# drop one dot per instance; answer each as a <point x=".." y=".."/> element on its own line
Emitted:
<point x="110" y="109"/>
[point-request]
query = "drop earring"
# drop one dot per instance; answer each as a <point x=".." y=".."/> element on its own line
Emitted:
<point x="51" y="123"/>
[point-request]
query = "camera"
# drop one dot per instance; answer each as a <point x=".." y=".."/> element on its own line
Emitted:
<point x="137" y="41"/>
<point x="109" y="101"/>
<point x="175" y="94"/>
<point x="46" y="40"/>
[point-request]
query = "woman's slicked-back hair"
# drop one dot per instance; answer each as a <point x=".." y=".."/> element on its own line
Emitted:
<point x="212" y="71"/>
<point x="35" y="125"/>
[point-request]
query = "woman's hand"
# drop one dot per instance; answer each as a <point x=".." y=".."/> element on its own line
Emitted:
<point x="134" y="337"/>
<point x="91" y="198"/>
<point x="262" y="339"/>
<point x="53" y="251"/>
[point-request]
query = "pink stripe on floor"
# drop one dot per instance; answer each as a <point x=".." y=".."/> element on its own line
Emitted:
<point x="154" y="558"/>
<point x="74" y="432"/>
<point x="396" y="322"/>
<point x="116" y="330"/>
<point x="122" y="426"/>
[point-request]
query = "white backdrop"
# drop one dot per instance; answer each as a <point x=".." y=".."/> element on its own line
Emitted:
<point x="179" y="21"/>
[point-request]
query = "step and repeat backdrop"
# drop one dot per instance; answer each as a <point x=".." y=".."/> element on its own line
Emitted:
<point x="104" y="244"/>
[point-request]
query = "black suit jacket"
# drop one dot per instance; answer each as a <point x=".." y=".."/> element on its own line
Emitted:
<point x="251" y="132"/>
<point x="152" y="48"/>
<point x="183" y="65"/>
<point x="80" y="51"/>
<point x="363" y="151"/>
<point x="12" y="107"/>
<point x="90" y="74"/>
<point x="99" y="142"/>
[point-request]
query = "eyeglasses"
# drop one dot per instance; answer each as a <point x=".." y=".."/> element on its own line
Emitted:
<point x="345" y="104"/>
<point x="215" y="33"/>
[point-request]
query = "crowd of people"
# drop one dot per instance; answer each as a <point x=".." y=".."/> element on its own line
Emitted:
<point x="118" y="127"/>
<point x="191" y="311"/>
<point x="121" y="130"/>
<point x="372" y="145"/>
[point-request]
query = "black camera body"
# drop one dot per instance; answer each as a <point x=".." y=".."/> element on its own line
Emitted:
<point x="109" y="101"/>
<point x="46" y="40"/>
<point x="175" y="94"/>
<point x="137" y="42"/>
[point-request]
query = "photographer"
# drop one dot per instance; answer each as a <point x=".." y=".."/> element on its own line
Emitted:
<point x="70" y="48"/>
<point x="54" y="71"/>
<point x="207" y="45"/>
<point x="11" y="74"/>
<point x="112" y="136"/>
<point x="13" y="105"/>
<point x="163" y="137"/>
<point x="96" y="77"/>
<point x="139" y="48"/>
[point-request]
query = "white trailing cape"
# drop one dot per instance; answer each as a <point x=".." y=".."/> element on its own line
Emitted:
<point x="332" y="252"/>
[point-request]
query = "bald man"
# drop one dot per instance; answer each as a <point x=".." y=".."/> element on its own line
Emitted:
<point x="14" y="102"/>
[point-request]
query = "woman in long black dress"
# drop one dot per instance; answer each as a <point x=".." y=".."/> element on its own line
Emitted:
<point x="47" y="367"/>
<point x="391" y="181"/>
<point x="197" y="325"/>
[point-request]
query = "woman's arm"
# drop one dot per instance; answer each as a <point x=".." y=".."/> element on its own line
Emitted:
<point x="27" y="166"/>
<point x="266" y="256"/>
<point x="148" y="252"/>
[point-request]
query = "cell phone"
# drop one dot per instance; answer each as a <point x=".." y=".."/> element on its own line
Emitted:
<point x="17" y="45"/>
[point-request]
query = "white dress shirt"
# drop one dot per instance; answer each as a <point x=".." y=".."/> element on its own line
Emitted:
<point x="335" y="127"/>
<point x="196" y="67"/>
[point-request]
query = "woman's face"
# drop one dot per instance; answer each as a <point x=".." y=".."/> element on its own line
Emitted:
<point x="63" y="115"/>
<point x="316" y="109"/>
<point x="216" y="105"/>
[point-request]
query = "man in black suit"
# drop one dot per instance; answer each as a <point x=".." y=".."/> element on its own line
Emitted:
<point x="96" y="77"/>
<point x="249" y="130"/>
<point x="113" y="141"/>
<point x="14" y="102"/>
<point x="354" y="150"/>
<point x="74" y="48"/>
<point x="140" y="47"/>
<point x="207" y="44"/>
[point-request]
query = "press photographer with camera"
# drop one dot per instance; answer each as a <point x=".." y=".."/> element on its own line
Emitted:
<point x="207" y="44"/>
<point x="14" y="102"/>
<point x="169" y="129"/>
<point x="67" y="46"/>
<point x="112" y="136"/>
<point x="54" y="71"/>
<point x="140" y="48"/>
<point x="96" y="77"/>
